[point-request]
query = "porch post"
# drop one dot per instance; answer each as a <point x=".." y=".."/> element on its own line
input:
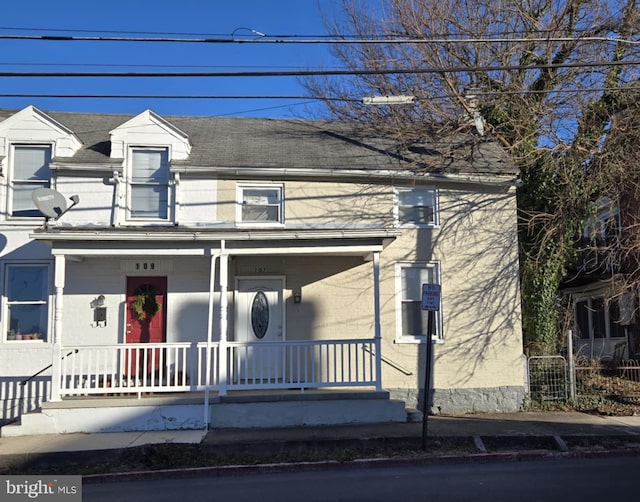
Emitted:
<point x="223" y="359"/>
<point x="58" y="282"/>
<point x="207" y="380"/>
<point x="377" y="327"/>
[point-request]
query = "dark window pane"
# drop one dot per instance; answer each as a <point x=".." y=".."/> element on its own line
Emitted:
<point x="414" y="319"/>
<point x="582" y="319"/>
<point x="260" y="315"/>
<point x="27" y="321"/>
<point x="260" y="213"/>
<point x="27" y="284"/>
<point x="599" y="325"/>
<point x="616" y="330"/>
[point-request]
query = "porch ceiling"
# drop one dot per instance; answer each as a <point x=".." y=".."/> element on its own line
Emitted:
<point x="181" y="242"/>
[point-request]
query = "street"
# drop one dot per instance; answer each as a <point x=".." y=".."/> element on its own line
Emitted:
<point x="543" y="480"/>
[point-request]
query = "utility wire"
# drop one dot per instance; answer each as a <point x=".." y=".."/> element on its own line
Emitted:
<point x="266" y="39"/>
<point x="304" y="73"/>
<point x="256" y="32"/>
<point x="310" y="98"/>
<point x="168" y="96"/>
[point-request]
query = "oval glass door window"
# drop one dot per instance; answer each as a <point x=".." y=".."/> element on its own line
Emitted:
<point x="260" y="315"/>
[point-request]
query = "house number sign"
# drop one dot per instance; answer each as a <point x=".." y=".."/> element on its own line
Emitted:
<point x="145" y="265"/>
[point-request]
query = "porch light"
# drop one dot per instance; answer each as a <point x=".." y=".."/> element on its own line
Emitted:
<point x="297" y="296"/>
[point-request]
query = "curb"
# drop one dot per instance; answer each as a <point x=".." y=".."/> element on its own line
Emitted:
<point x="238" y="470"/>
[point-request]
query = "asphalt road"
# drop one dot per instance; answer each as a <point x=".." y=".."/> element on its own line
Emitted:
<point x="543" y="480"/>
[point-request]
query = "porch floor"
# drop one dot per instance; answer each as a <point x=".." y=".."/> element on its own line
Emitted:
<point x="190" y="398"/>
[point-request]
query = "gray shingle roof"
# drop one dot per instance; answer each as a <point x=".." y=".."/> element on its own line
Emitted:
<point x="219" y="142"/>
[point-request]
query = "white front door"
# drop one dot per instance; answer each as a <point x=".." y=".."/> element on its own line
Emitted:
<point x="259" y="312"/>
<point x="259" y="319"/>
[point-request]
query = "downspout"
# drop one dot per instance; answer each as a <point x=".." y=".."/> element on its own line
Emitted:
<point x="377" y="327"/>
<point x="176" y="196"/>
<point x="115" y="215"/>
<point x="212" y="282"/>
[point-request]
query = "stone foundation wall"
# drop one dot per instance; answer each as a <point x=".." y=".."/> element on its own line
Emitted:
<point x="454" y="401"/>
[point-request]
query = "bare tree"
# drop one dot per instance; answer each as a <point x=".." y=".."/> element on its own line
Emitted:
<point x="546" y="77"/>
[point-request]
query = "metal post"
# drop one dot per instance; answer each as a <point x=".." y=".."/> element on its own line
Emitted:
<point x="572" y="367"/>
<point x="427" y="378"/>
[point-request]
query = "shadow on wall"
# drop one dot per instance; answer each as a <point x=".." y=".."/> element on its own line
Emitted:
<point x="483" y="229"/>
<point x="17" y="398"/>
<point x="485" y="307"/>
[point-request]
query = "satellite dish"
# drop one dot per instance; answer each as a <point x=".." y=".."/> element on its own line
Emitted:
<point x="52" y="203"/>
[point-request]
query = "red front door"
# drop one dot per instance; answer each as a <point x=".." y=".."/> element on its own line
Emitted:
<point x="146" y="316"/>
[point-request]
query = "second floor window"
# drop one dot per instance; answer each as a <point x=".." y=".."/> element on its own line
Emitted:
<point x="416" y="207"/>
<point x="149" y="184"/>
<point x="605" y="224"/>
<point x="30" y="171"/>
<point x="260" y="204"/>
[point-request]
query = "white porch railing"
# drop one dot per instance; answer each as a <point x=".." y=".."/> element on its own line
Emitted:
<point x="130" y="368"/>
<point x="301" y="364"/>
<point x="182" y="367"/>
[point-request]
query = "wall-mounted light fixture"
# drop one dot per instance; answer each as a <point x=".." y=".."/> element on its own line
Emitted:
<point x="99" y="312"/>
<point x="297" y="296"/>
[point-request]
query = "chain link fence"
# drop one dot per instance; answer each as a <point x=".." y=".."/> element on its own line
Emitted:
<point x="548" y="378"/>
<point x="556" y="378"/>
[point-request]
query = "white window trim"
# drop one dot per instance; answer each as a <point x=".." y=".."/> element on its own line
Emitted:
<point x="133" y="220"/>
<point x="10" y="179"/>
<point x="5" y="301"/>
<point x="240" y="187"/>
<point x="596" y="227"/>
<point x="396" y="207"/>
<point x="416" y="339"/>
<point x="601" y="295"/>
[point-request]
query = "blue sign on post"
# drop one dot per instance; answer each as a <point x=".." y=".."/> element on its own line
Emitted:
<point x="431" y="297"/>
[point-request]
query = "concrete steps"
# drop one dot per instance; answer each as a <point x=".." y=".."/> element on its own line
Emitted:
<point x="187" y="412"/>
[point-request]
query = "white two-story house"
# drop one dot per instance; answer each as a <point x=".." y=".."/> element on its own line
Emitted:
<point x="210" y="261"/>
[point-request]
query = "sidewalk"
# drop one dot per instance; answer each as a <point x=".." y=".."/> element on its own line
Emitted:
<point x="525" y="424"/>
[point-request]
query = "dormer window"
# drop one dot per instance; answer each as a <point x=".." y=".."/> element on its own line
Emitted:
<point x="149" y="184"/>
<point x="29" y="171"/>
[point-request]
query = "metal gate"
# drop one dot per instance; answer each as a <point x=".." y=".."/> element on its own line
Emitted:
<point x="548" y="378"/>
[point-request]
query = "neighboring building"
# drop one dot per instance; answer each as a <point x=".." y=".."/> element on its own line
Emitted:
<point x="604" y="314"/>
<point x="219" y="255"/>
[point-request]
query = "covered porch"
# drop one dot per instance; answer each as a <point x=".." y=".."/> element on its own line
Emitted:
<point x="224" y="361"/>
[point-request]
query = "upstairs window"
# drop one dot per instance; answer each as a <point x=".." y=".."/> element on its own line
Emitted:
<point x="416" y="207"/>
<point x="30" y="171"/>
<point x="260" y="205"/>
<point x="605" y="225"/>
<point x="149" y="184"/>
<point x="27" y="293"/>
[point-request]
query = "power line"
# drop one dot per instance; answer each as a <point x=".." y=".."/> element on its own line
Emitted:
<point x="296" y="97"/>
<point x="168" y="96"/>
<point x="268" y="39"/>
<point x="305" y="73"/>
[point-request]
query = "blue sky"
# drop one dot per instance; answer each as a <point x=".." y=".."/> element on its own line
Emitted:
<point x="152" y="18"/>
